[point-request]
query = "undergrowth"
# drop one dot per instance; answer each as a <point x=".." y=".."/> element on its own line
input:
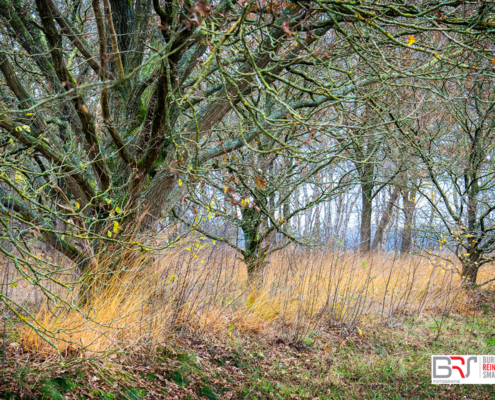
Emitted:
<point x="317" y="326"/>
<point x="389" y="360"/>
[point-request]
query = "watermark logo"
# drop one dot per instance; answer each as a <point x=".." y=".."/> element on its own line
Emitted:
<point x="463" y="369"/>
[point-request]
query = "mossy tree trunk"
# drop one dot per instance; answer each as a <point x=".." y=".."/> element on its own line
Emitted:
<point x="254" y="253"/>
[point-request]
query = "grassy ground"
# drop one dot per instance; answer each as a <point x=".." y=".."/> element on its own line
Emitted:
<point x="387" y="359"/>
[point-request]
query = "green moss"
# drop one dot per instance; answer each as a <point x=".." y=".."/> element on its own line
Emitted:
<point x="141" y="115"/>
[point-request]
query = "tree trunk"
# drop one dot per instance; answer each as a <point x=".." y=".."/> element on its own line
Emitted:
<point x="470" y="270"/>
<point x="366" y="211"/>
<point x="255" y="265"/>
<point x="254" y="255"/>
<point x="384" y="221"/>
<point x="409" y="199"/>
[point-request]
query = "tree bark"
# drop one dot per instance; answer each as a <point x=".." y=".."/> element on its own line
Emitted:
<point x="470" y="270"/>
<point x="409" y="200"/>
<point x="366" y="210"/>
<point x="384" y="221"/>
<point x="254" y="256"/>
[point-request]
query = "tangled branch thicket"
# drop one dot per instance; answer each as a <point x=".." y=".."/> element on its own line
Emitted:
<point x="129" y="128"/>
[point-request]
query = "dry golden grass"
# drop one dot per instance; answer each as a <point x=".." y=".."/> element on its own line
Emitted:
<point x="207" y="293"/>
